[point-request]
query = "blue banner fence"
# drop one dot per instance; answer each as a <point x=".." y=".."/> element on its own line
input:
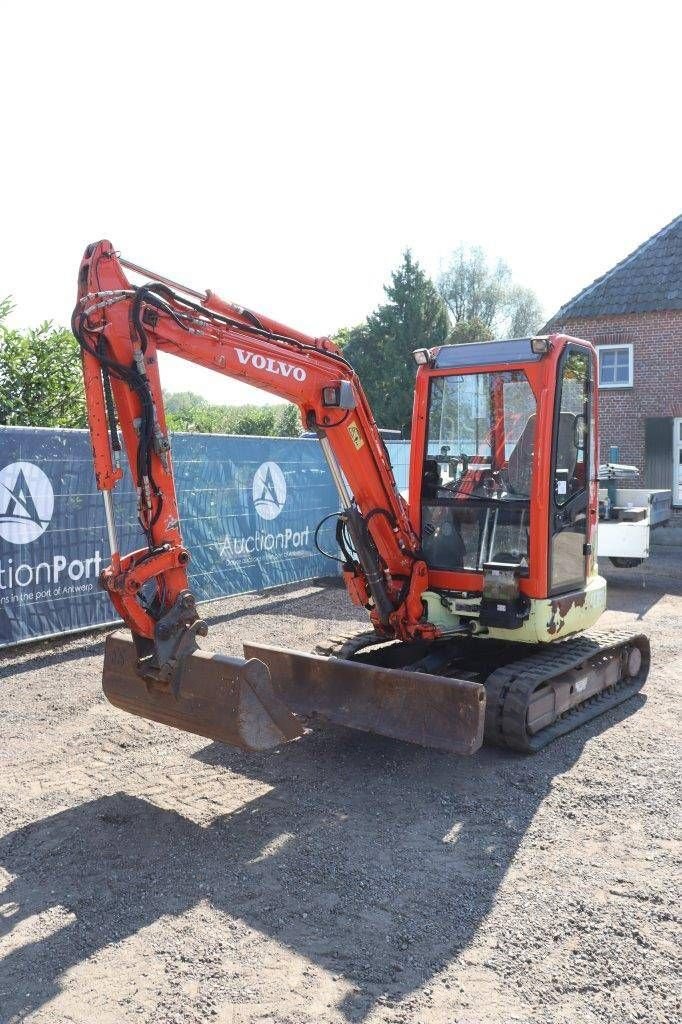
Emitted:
<point x="249" y="508"/>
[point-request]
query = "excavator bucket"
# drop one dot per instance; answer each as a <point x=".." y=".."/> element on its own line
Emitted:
<point x="434" y="711"/>
<point x="226" y="699"/>
<point x="248" y="703"/>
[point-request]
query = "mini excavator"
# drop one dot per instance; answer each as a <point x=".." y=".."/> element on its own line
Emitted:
<point x="481" y="588"/>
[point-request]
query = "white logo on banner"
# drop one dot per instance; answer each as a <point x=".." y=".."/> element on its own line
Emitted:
<point x="269" y="490"/>
<point x="26" y="502"/>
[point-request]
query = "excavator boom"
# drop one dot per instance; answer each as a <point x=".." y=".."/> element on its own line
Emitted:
<point x="158" y="671"/>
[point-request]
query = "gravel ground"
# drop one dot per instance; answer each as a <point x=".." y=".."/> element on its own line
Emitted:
<point x="149" y="876"/>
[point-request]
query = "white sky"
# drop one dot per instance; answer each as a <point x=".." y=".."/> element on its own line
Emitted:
<point x="285" y="153"/>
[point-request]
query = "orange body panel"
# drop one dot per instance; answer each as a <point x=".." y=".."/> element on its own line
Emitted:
<point x="542" y="377"/>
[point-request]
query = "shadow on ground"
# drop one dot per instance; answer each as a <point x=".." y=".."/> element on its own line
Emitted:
<point x="49" y="654"/>
<point x="374" y="859"/>
<point x="640" y="588"/>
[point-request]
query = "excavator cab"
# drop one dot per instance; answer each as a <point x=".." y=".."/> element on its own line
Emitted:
<point x="503" y="484"/>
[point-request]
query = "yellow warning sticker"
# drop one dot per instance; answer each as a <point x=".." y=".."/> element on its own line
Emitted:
<point x="355" y="435"/>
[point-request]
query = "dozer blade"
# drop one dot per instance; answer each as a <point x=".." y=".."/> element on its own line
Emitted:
<point x="224" y="699"/>
<point x="447" y="714"/>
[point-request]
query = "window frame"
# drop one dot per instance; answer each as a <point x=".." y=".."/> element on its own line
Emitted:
<point x="677" y="460"/>
<point x="617" y="384"/>
<point x="526" y="502"/>
<point x="557" y="510"/>
<point x="522" y="377"/>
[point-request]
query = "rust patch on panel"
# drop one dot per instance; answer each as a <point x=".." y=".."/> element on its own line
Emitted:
<point x="560" y="610"/>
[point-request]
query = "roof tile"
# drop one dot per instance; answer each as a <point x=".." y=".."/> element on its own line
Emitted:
<point x="650" y="278"/>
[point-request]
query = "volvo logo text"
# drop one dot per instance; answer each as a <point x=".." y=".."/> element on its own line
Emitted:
<point x="270" y="365"/>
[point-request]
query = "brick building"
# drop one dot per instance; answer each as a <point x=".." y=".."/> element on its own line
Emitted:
<point x="633" y="316"/>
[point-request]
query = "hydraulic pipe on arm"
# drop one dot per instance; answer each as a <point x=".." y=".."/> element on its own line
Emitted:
<point x="121" y="329"/>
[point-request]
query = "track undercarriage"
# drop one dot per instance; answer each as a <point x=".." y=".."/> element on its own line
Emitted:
<point x="448" y="694"/>
<point x="534" y="693"/>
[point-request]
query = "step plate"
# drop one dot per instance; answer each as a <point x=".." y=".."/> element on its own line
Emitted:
<point x="447" y="714"/>
<point x="226" y="699"/>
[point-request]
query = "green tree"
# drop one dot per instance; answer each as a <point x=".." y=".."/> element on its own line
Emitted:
<point x="486" y="298"/>
<point x="469" y="330"/>
<point x="414" y="316"/>
<point x="41" y="383"/>
<point x="525" y="313"/>
<point x="287" y="420"/>
<point x="184" y="403"/>
<point x="187" y="411"/>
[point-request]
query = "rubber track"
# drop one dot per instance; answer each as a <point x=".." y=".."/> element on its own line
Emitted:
<point x="345" y="645"/>
<point x="509" y="689"/>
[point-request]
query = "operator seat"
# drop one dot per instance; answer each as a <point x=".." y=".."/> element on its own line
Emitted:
<point x="520" y="460"/>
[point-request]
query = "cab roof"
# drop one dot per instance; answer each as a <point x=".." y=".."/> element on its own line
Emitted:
<point x="484" y="353"/>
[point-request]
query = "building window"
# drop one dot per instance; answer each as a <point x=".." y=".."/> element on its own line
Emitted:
<point x="615" y="366"/>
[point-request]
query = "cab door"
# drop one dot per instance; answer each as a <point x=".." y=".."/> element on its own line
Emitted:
<point x="571" y="472"/>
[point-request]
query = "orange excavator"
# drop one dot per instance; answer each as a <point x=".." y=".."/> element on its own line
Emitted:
<point x="480" y="588"/>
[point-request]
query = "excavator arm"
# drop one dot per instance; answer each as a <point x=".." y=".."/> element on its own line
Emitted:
<point x="121" y="329"/>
